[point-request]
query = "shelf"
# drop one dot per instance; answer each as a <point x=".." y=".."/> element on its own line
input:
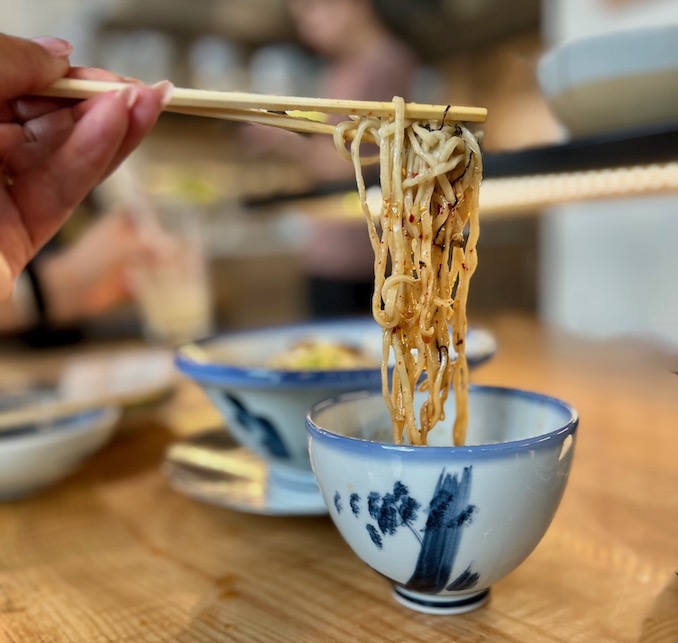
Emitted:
<point x="652" y="145"/>
<point x="610" y="166"/>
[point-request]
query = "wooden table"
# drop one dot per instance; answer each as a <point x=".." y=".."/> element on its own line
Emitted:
<point x="113" y="554"/>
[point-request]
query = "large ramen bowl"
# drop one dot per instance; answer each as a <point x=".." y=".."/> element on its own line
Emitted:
<point x="444" y="523"/>
<point x="265" y="406"/>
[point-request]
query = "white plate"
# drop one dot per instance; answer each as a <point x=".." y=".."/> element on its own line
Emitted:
<point x="127" y="377"/>
<point x="123" y="379"/>
<point x="211" y="468"/>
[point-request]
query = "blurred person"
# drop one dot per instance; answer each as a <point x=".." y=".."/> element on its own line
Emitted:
<point x="364" y="61"/>
<point x="90" y="277"/>
<point x="53" y="151"/>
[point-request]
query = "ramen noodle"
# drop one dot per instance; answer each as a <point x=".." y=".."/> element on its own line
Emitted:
<point x="424" y="256"/>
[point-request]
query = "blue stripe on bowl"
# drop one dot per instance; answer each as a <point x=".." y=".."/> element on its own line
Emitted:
<point x="367" y="447"/>
<point x="64" y="423"/>
<point x="480" y="347"/>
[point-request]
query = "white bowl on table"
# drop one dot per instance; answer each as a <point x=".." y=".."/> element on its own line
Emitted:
<point x="265" y="407"/>
<point x="619" y="80"/>
<point x="35" y="456"/>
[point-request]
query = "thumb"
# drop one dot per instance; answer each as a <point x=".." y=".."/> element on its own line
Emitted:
<point x="31" y="65"/>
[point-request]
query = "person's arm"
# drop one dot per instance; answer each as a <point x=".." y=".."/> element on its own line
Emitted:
<point x="82" y="280"/>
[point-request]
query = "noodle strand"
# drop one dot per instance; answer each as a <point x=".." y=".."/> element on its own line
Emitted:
<point x="430" y="178"/>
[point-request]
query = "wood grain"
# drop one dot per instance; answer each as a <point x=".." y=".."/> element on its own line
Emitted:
<point x="113" y="555"/>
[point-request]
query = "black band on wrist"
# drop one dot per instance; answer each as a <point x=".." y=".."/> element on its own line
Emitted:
<point x="38" y="294"/>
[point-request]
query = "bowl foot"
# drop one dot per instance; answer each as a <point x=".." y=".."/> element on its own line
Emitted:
<point x="433" y="604"/>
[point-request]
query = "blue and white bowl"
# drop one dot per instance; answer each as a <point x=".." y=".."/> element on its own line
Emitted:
<point x="36" y="456"/>
<point x="620" y="80"/>
<point x="265" y="407"/>
<point x="444" y="523"/>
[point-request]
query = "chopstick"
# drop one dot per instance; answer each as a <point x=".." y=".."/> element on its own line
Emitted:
<point x="239" y="105"/>
<point x="283" y="121"/>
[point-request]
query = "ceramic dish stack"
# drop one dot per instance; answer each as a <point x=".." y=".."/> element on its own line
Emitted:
<point x="625" y="79"/>
<point x="264" y="408"/>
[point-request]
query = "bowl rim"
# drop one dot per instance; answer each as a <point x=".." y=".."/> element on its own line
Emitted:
<point x="589" y="59"/>
<point x="63" y="429"/>
<point x="265" y="377"/>
<point x="473" y="450"/>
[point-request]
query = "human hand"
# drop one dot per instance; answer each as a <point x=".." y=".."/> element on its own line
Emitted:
<point x="93" y="275"/>
<point x="52" y="151"/>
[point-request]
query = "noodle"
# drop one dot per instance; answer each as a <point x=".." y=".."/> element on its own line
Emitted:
<point x="430" y="178"/>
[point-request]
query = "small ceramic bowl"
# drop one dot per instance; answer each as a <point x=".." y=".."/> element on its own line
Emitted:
<point x="444" y="523"/>
<point x="265" y="407"/>
<point x="613" y="81"/>
<point x="33" y="457"/>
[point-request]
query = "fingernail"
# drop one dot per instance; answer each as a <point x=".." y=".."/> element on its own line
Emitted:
<point x="167" y="89"/>
<point x="55" y="46"/>
<point x="6" y="279"/>
<point x="129" y="94"/>
<point x="131" y="79"/>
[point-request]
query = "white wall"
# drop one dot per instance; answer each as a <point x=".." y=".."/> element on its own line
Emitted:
<point x="610" y="268"/>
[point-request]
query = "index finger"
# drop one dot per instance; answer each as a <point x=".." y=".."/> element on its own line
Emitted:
<point x="28" y="66"/>
<point x="30" y="107"/>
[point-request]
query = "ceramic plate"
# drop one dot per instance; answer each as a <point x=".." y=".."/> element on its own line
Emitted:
<point x="128" y="377"/>
<point x="211" y="468"/>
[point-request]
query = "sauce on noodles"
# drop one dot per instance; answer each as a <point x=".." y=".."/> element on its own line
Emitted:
<point x="430" y="176"/>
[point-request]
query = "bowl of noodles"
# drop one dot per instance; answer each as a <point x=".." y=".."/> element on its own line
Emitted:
<point x="444" y="523"/>
<point x="441" y="487"/>
<point x="263" y="381"/>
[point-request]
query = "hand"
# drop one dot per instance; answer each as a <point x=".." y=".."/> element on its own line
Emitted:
<point x="53" y="152"/>
<point x="93" y="275"/>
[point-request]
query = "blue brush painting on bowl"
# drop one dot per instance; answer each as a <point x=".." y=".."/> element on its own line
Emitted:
<point x="265" y="407"/>
<point x="444" y="523"/>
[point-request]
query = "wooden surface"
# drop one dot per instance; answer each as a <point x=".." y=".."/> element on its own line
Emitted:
<point x="112" y="554"/>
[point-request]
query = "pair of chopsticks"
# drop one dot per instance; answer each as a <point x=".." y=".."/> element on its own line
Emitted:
<point x="271" y="110"/>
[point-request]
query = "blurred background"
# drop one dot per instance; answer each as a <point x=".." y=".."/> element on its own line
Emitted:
<point x="241" y="218"/>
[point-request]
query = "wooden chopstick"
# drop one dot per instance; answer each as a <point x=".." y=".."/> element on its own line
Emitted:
<point x="228" y="101"/>
<point x="284" y="121"/>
